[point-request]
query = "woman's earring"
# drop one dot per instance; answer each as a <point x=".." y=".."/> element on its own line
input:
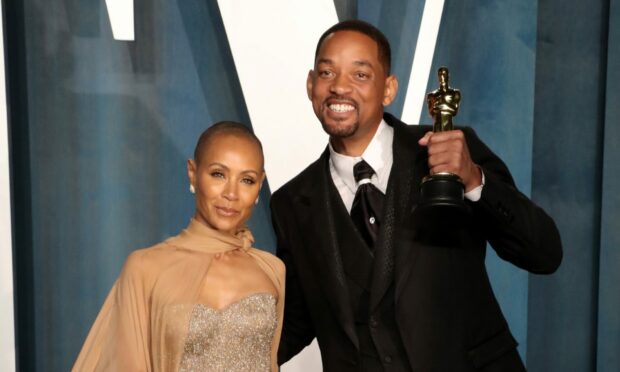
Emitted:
<point x="256" y="202"/>
<point x="192" y="189"/>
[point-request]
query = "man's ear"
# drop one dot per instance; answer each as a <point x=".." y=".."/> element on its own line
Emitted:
<point x="390" y="90"/>
<point x="310" y="84"/>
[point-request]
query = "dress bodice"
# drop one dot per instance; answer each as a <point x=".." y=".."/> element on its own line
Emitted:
<point x="235" y="338"/>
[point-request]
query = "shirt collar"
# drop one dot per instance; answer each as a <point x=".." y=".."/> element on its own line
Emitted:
<point x="378" y="155"/>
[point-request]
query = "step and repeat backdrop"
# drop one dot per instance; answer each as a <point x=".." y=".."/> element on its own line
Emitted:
<point x="106" y="99"/>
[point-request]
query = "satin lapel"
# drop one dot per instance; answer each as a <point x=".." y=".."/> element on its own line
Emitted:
<point x="406" y="248"/>
<point x="408" y="168"/>
<point x="318" y="218"/>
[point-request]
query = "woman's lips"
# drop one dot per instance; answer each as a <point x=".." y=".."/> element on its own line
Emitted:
<point x="226" y="212"/>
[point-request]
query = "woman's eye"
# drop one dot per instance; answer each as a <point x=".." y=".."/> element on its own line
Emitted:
<point x="217" y="174"/>
<point x="248" y="181"/>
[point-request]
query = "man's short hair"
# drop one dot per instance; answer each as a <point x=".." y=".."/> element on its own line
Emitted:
<point x="383" y="45"/>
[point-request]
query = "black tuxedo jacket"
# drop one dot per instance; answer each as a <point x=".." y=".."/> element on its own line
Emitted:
<point x="446" y="313"/>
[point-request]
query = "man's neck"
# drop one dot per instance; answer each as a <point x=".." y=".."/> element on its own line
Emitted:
<point x="354" y="145"/>
<point x="349" y="148"/>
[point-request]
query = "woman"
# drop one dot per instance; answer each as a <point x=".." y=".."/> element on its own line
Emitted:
<point x="203" y="300"/>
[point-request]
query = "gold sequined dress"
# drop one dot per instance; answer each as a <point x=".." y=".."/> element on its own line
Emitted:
<point x="236" y="338"/>
<point x="152" y="320"/>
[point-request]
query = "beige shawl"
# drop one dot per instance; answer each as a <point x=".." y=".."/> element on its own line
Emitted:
<point x="144" y="320"/>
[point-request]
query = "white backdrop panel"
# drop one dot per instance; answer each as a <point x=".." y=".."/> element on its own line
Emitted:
<point x="273" y="43"/>
<point x="415" y="93"/>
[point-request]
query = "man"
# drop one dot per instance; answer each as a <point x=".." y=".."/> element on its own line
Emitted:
<point x="383" y="299"/>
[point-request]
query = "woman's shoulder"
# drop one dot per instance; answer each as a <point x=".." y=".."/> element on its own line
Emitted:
<point x="149" y="259"/>
<point x="270" y="259"/>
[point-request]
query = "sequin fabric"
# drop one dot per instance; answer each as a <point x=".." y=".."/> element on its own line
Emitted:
<point x="235" y="338"/>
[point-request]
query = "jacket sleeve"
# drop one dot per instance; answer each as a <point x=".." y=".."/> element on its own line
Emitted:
<point x="297" y="330"/>
<point x="518" y="230"/>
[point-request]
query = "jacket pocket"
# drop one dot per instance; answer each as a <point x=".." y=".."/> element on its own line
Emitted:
<point x="492" y="348"/>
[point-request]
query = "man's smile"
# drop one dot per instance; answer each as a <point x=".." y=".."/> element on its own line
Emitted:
<point x="341" y="107"/>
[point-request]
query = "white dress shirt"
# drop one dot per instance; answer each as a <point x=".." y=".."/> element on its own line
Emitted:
<point x="379" y="156"/>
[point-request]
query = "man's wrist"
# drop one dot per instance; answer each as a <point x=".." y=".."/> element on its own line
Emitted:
<point x="475" y="193"/>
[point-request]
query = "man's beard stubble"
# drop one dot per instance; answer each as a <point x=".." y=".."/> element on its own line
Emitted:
<point x="339" y="131"/>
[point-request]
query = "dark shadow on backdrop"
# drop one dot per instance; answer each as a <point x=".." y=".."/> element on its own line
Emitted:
<point x="346" y="9"/>
<point x="143" y="55"/>
<point x="19" y="160"/>
<point x="400" y="21"/>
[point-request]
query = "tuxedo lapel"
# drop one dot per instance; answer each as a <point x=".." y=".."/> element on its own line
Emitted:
<point x="317" y="216"/>
<point x="407" y="171"/>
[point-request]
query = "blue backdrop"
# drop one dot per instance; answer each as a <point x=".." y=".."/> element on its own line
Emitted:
<point x="101" y="130"/>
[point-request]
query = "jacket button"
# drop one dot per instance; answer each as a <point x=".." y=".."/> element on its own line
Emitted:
<point x="373" y="322"/>
<point x="387" y="359"/>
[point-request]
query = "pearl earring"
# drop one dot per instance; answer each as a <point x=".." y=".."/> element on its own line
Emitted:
<point x="192" y="189"/>
<point x="256" y="202"/>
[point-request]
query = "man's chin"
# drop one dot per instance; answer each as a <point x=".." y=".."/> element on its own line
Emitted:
<point x="339" y="130"/>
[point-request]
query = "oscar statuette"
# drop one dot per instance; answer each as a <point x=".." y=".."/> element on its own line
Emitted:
<point x="441" y="200"/>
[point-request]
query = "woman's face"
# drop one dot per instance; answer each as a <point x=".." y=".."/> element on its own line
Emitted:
<point x="227" y="178"/>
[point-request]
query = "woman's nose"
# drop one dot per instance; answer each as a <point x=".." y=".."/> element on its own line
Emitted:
<point x="230" y="190"/>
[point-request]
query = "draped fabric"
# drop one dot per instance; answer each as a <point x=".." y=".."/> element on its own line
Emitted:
<point x="144" y="320"/>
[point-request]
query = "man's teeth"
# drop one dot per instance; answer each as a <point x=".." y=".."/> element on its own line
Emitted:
<point x="341" y="107"/>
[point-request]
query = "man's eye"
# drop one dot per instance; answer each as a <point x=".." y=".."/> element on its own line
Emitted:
<point x="325" y="73"/>
<point x="361" y="75"/>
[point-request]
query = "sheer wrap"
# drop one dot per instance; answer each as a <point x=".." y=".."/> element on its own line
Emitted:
<point x="143" y="323"/>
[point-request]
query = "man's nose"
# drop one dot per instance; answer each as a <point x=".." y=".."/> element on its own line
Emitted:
<point x="340" y="85"/>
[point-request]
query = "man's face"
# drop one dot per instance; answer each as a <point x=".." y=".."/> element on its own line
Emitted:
<point x="348" y="86"/>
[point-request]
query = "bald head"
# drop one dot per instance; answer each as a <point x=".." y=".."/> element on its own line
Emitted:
<point x="225" y="128"/>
